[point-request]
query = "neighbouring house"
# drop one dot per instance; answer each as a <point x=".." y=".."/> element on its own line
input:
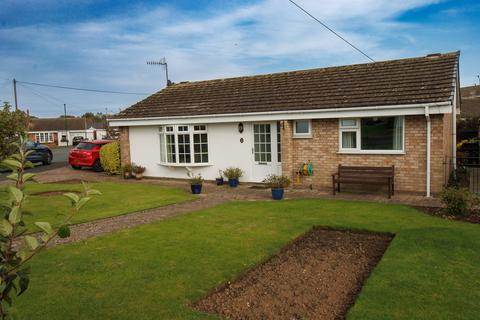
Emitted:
<point x="51" y="131"/>
<point x="399" y="112"/>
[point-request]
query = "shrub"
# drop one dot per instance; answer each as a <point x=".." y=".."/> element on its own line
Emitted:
<point x="138" y="169"/>
<point x="195" y="179"/>
<point x="459" y="178"/>
<point x="276" y="182"/>
<point x="127" y="168"/>
<point x="458" y="200"/>
<point x="233" y="173"/>
<point x="110" y="157"/>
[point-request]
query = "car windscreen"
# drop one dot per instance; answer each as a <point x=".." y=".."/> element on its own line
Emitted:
<point x="86" y="146"/>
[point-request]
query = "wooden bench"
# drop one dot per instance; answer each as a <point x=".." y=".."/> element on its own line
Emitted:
<point x="364" y="175"/>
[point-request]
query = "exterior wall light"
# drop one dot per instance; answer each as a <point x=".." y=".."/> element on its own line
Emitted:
<point x="240" y="127"/>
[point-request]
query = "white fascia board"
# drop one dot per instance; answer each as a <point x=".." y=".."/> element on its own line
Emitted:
<point x="417" y="109"/>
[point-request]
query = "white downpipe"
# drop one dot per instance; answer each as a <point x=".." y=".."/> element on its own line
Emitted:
<point x="429" y="129"/>
<point x="454" y="132"/>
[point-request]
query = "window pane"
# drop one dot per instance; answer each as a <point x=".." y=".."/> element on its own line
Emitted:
<point x="349" y="139"/>
<point x="382" y="133"/>
<point x="348" y="122"/>
<point x="302" y="127"/>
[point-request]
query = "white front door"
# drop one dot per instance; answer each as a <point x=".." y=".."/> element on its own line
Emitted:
<point x="265" y="150"/>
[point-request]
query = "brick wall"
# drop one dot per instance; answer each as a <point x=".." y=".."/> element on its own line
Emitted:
<point x="410" y="168"/>
<point x="124" y="140"/>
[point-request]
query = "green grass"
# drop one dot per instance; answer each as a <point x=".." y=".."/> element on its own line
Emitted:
<point x="116" y="199"/>
<point x="430" y="271"/>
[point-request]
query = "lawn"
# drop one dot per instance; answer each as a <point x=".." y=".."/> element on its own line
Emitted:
<point x="116" y="199"/>
<point x="430" y="271"/>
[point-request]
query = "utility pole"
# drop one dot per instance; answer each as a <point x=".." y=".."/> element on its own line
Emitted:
<point x="15" y="93"/>
<point x="478" y="76"/>
<point x="162" y="62"/>
<point x="65" y="118"/>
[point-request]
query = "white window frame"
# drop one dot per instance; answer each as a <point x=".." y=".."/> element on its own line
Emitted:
<point x="182" y="129"/>
<point x="302" y="135"/>
<point x="357" y="129"/>
<point x="44" y="137"/>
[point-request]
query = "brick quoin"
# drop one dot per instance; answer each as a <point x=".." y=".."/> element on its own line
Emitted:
<point x="410" y="168"/>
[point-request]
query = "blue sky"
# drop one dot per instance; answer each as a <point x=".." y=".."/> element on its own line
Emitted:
<point x="105" y="44"/>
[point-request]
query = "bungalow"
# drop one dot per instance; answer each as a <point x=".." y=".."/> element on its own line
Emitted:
<point x="51" y="131"/>
<point x="399" y="112"/>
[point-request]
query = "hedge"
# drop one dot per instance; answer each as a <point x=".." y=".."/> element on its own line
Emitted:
<point x="110" y="157"/>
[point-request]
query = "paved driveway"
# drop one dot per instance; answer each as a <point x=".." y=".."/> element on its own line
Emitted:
<point x="60" y="159"/>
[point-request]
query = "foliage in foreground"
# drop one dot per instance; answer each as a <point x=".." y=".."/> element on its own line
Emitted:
<point x="12" y="124"/>
<point x="14" y="268"/>
<point x="110" y="157"/>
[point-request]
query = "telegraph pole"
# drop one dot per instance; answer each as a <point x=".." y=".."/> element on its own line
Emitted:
<point x="15" y="93"/>
<point x="162" y="62"/>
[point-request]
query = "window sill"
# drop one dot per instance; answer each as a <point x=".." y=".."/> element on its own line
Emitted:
<point x="302" y="136"/>
<point x="184" y="165"/>
<point x="379" y="152"/>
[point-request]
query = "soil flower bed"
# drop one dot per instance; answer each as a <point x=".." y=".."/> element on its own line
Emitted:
<point x="317" y="276"/>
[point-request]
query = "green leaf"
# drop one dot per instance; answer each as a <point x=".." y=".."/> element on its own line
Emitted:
<point x="12" y="163"/>
<point x="72" y="196"/>
<point x="64" y="232"/>
<point x="5" y="228"/>
<point x="13" y="176"/>
<point x="28" y="176"/>
<point x="93" y="192"/>
<point x="15" y="215"/>
<point x="45" y="226"/>
<point x="16" y="193"/>
<point x="28" y="164"/>
<point x="23" y="254"/>
<point x="31" y="242"/>
<point x="23" y="281"/>
<point x="82" y="202"/>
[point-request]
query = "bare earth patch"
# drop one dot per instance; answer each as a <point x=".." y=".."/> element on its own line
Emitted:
<point x="317" y="276"/>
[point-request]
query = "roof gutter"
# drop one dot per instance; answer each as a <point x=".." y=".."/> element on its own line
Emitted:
<point x="436" y="107"/>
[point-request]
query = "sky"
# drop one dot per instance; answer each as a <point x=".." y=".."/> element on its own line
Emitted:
<point x="105" y="44"/>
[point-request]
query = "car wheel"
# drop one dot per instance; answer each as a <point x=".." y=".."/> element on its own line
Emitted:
<point x="97" y="166"/>
<point x="48" y="160"/>
<point x="76" y="167"/>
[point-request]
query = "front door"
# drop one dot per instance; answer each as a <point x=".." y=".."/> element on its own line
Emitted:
<point x="265" y="157"/>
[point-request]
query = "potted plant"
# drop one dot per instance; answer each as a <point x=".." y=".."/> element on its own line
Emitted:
<point x="277" y="184"/>
<point x="196" y="182"/>
<point x="138" y="171"/>
<point x="127" y="171"/>
<point x="233" y="174"/>
<point x="220" y="179"/>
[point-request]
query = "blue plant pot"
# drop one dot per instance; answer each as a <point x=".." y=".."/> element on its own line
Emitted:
<point x="233" y="182"/>
<point x="196" y="188"/>
<point x="277" y="194"/>
<point x="219" y="181"/>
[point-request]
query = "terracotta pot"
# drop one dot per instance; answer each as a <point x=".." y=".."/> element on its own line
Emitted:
<point x="138" y="176"/>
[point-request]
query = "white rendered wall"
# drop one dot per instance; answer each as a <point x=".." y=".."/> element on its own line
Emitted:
<point x="225" y="150"/>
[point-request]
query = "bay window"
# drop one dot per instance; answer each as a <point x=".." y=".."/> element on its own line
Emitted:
<point x="183" y="144"/>
<point x="372" y="134"/>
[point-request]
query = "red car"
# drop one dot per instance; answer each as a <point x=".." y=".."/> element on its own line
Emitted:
<point x="87" y="154"/>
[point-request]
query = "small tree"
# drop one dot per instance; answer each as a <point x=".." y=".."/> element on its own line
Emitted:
<point x="15" y="255"/>
<point x="12" y="125"/>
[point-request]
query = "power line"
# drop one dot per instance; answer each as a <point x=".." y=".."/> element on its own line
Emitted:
<point x="45" y="98"/>
<point x="80" y="89"/>
<point x="331" y="30"/>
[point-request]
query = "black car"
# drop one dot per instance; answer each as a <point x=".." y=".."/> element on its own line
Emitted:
<point x="41" y="153"/>
<point x="77" y="139"/>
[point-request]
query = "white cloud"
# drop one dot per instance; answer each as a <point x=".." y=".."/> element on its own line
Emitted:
<point x="271" y="35"/>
